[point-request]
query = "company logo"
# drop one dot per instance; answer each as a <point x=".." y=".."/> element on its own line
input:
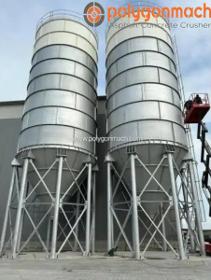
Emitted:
<point x="94" y="14"/>
<point x="147" y="13"/>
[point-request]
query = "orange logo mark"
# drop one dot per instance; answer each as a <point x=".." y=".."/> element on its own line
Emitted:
<point x="94" y="14"/>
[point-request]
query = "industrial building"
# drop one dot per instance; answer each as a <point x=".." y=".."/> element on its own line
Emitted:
<point x="63" y="192"/>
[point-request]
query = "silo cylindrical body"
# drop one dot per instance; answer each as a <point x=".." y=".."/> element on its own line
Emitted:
<point x="143" y="98"/>
<point x="60" y="109"/>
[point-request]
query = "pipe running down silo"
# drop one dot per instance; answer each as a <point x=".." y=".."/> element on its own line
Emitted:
<point x="53" y="181"/>
<point x="148" y="156"/>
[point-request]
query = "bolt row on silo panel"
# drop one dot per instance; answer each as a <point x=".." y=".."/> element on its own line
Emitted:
<point x="143" y="99"/>
<point x="61" y="101"/>
<point x="60" y="108"/>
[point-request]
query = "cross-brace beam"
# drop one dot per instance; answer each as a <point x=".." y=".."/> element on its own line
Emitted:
<point x="57" y="207"/>
<point x="181" y="199"/>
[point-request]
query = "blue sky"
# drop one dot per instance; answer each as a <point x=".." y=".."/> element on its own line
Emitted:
<point x="18" y="21"/>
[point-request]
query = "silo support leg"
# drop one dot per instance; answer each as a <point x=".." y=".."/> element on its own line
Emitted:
<point x="20" y="231"/>
<point x="188" y="213"/>
<point x="6" y="218"/>
<point x="197" y="211"/>
<point x="48" y="233"/>
<point x="56" y="209"/>
<point x="76" y="218"/>
<point x="163" y="227"/>
<point x="176" y="207"/>
<point x="136" y="242"/>
<point x="20" y="208"/>
<point x="109" y="210"/>
<point x="88" y="210"/>
<point x="93" y="212"/>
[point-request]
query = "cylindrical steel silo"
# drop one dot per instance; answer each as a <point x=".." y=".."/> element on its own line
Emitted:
<point x="143" y="99"/>
<point x="56" y="185"/>
<point x="148" y="142"/>
<point x="60" y="109"/>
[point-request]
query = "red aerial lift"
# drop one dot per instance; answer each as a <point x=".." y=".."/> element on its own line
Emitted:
<point x="197" y="107"/>
<point x="208" y="247"/>
<point x="195" y="110"/>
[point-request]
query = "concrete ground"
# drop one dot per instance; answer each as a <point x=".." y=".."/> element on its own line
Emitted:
<point x="156" y="267"/>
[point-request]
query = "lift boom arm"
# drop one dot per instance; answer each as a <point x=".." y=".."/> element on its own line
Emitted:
<point x="205" y="159"/>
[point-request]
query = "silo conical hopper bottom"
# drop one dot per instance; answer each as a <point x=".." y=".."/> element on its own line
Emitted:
<point x="150" y="155"/>
<point x="43" y="174"/>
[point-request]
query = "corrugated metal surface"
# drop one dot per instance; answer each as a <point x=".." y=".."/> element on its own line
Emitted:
<point x="61" y="102"/>
<point x="143" y="100"/>
<point x="60" y="109"/>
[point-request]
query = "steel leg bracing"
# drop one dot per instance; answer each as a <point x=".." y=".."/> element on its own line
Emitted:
<point x="197" y="211"/>
<point x="13" y="189"/>
<point x="176" y="207"/>
<point x="20" y="207"/>
<point x="135" y="221"/>
<point x="56" y="209"/>
<point x="93" y="230"/>
<point x="64" y="212"/>
<point x="88" y="211"/>
<point x="164" y="247"/>
<point x="132" y="208"/>
<point x="109" y="208"/>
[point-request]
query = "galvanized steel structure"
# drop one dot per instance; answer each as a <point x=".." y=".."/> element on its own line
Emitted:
<point x="151" y="173"/>
<point x="53" y="179"/>
<point x="148" y="148"/>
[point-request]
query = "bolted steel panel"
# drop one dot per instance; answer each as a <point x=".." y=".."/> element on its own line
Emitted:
<point x="60" y="109"/>
<point x="143" y="99"/>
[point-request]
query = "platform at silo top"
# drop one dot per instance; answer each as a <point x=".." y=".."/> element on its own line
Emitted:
<point x="157" y="266"/>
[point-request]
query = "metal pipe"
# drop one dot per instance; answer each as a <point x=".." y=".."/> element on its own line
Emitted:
<point x="136" y="242"/>
<point x="20" y="231"/>
<point x="76" y="218"/>
<point x="22" y="221"/>
<point x="20" y="207"/>
<point x="88" y="211"/>
<point x="163" y="227"/>
<point x="6" y="218"/>
<point x="48" y="232"/>
<point x="56" y="209"/>
<point x="93" y="212"/>
<point x="176" y="207"/>
<point x="109" y="205"/>
<point x="187" y="210"/>
<point x="196" y="208"/>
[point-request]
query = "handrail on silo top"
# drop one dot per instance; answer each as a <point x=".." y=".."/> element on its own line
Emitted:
<point x="64" y="14"/>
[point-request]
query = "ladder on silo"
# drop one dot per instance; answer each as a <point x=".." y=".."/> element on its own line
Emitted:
<point x="190" y="139"/>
